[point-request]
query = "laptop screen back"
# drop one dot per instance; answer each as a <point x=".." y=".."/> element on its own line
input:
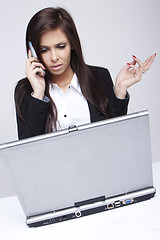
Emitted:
<point x="107" y="158"/>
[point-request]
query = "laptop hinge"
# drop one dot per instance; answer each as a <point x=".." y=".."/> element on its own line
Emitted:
<point x="90" y="201"/>
<point x="72" y="128"/>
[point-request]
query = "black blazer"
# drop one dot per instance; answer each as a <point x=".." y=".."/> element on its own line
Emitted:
<point x="35" y="111"/>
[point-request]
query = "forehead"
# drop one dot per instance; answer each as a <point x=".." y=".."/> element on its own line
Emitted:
<point x="53" y="37"/>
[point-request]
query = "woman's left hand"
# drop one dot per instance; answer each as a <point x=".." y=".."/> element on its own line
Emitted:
<point x="131" y="74"/>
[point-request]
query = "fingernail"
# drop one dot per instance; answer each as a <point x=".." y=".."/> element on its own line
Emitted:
<point x="155" y="54"/>
<point x="45" y="68"/>
<point x="133" y="56"/>
<point x="129" y="63"/>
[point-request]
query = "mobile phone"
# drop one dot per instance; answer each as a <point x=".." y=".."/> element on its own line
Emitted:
<point x="34" y="53"/>
<point x="32" y="49"/>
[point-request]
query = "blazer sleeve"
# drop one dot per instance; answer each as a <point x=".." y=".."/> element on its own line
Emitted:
<point x="33" y="117"/>
<point x="117" y="107"/>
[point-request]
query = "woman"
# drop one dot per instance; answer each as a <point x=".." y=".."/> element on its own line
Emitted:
<point x="60" y="89"/>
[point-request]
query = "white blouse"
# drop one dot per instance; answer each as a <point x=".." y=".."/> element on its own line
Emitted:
<point x="72" y="107"/>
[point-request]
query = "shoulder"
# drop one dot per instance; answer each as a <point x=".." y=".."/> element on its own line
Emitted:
<point x="99" y="70"/>
<point x="22" y="92"/>
<point x="23" y="81"/>
<point x="102" y="76"/>
<point x="23" y="85"/>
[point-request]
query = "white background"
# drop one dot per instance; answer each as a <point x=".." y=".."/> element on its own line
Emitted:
<point x="110" y="32"/>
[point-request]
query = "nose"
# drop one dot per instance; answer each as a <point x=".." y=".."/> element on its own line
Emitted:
<point x="54" y="56"/>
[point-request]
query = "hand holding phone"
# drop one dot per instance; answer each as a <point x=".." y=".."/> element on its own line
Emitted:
<point x="33" y="52"/>
<point x="35" y="73"/>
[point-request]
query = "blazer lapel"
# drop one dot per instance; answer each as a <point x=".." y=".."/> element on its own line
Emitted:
<point x="95" y="113"/>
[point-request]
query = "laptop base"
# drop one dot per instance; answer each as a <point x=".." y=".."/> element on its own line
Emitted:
<point x="81" y="209"/>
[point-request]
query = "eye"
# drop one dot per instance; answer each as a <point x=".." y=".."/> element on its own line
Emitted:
<point x="61" y="46"/>
<point x="43" y="50"/>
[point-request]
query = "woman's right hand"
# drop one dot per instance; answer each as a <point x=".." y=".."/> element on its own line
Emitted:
<point x="35" y="74"/>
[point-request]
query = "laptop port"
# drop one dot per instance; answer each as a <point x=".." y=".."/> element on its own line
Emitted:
<point x="78" y="214"/>
<point x="52" y="220"/>
<point x="64" y="218"/>
<point x="128" y="201"/>
<point x="110" y="206"/>
<point x="117" y="204"/>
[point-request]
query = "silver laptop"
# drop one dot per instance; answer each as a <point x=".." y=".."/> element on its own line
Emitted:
<point x="82" y="170"/>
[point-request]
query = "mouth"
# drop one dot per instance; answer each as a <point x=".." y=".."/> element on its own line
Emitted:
<point x="56" y="67"/>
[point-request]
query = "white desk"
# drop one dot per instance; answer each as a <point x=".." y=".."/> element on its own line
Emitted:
<point x="137" y="221"/>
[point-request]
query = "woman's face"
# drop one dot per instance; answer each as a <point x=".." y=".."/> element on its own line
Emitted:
<point x="55" y="51"/>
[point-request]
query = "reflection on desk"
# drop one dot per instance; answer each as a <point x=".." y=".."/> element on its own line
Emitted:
<point x="137" y="221"/>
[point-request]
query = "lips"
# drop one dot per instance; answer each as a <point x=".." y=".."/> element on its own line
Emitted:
<point x="56" y="67"/>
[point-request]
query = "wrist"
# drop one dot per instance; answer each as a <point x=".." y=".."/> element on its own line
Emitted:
<point x="120" y="91"/>
<point x="38" y="95"/>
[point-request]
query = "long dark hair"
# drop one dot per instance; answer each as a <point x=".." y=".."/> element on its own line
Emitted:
<point x="51" y="19"/>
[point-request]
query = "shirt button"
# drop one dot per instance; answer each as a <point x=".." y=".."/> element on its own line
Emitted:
<point x="65" y="115"/>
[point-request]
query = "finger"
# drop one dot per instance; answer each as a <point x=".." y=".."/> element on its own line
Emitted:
<point x="133" y="62"/>
<point x="32" y="59"/>
<point x="29" y="54"/>
<point x="131" y="66"/>
<point x="37" y="64"/>
<point x="150" y="60"/>
<point x="39" y="71"/>
<point x="135" y="70"/>
<point x="147" y="61"/>
<point x="138" y="61"/>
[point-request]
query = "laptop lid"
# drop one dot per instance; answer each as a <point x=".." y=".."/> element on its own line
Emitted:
<point x="55" y="171"/>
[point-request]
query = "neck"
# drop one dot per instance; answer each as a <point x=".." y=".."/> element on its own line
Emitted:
<point x="64" y="79"/>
